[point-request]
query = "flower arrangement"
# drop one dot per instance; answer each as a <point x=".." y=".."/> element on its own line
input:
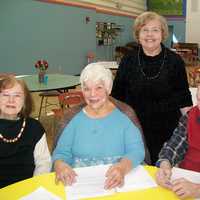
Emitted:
<point x="41" y="65"/>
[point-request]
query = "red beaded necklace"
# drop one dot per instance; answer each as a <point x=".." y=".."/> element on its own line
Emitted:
<point x="17" y="137"/>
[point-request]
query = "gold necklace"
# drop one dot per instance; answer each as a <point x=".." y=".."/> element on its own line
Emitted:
<point x="17" y="137"/>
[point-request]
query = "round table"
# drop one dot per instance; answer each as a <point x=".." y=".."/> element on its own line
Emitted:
<point x="55" y="82"/>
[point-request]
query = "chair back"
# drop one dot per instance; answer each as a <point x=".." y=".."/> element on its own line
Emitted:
<point x="69" y="102"/>
<point x="68" y="99"/>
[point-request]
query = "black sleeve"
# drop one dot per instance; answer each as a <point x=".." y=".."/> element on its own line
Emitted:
<point x="180" y="87"/>
<point x="120" y="81"/>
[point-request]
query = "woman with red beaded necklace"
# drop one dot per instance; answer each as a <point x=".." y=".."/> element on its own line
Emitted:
<point x="23" y="146"/>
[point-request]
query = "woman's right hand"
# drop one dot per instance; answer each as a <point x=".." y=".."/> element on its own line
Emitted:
<point x="64" y="173"/>
<point x="163" y="174"/>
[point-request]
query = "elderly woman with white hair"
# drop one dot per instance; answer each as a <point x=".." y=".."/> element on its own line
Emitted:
<point x="99" y="134"/>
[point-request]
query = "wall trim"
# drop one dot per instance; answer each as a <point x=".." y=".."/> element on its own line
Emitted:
<point x="98" y="9"/>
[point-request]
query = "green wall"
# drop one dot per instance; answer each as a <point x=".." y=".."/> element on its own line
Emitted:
<point x="32" y="30"/>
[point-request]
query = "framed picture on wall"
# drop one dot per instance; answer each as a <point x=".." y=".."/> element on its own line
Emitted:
<point x="168" y="7"/>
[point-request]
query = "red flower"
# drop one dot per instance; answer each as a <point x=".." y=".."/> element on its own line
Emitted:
<point x="41" y="65"/>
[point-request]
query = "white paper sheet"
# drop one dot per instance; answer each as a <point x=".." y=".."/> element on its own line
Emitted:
<point x="137" y="179"/>
<point x="40" y="194"/>
<point x="90" y="182"/>
<point x="187" y="174"/>
<point x="183" y="173"/>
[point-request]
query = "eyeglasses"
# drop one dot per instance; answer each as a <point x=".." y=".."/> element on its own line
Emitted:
<point x="15" y="95"/>
<point x="153" y="30"/>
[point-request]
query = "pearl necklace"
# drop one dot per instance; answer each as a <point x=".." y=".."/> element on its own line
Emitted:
<point x="17" y="137"/>
<point x="142" y="70"/>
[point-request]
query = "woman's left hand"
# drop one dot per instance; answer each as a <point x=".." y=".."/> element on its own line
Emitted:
<point x="184" y="188"/>
<point x="115" y="177"/>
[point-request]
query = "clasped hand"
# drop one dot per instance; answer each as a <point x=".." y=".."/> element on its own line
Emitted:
<point x="164" y="174"/>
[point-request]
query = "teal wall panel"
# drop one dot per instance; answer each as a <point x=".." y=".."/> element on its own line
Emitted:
<point x="32" y="30"/>
<point x="179" y="28"/>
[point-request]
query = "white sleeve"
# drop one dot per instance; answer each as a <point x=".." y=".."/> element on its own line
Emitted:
<point x="42" y="157"/>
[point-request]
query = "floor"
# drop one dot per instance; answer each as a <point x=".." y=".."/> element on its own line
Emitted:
<point x="47" y="119"/>
<point x="37" y="100"/>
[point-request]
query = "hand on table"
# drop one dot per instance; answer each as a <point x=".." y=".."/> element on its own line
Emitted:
<point x="163" y="174"/>
<point x="115" y="177"/>
<point x="64" y="173"/>
<point x="184" y="188"/>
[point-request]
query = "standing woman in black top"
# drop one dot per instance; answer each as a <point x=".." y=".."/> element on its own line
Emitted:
<point x="152" y="79"/>
<point x="23" y="147"/>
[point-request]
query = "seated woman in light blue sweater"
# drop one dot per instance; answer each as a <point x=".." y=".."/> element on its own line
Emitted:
<point x="99" y="134"/>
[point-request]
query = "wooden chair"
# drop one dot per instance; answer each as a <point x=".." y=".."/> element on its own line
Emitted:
<point x="48" y="94"/>
<point x="188" y="51"/>
<point x="68" y="100"/>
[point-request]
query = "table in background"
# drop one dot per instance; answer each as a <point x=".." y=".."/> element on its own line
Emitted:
<point x="17" y="190"/>
<point x="112" y="65"/>
<point x="55" y="82"/>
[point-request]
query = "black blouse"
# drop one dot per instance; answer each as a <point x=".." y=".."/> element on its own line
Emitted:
<point x="156" y="88"/>
<point x="17" y="159"/>
<point x="152" y="84"/>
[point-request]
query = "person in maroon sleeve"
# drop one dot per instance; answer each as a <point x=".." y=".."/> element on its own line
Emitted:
<point x="183" y="149"/>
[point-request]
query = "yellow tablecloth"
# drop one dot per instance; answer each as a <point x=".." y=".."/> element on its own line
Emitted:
<point x="17" y="190"/>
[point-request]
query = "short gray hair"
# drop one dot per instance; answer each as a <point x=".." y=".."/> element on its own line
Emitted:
<point x="97" y="72"/>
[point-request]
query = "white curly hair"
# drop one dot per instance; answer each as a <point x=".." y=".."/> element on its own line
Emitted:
<point x="96" y="72"/>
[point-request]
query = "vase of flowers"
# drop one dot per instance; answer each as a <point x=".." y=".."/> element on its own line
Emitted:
<point x="41" y="66"/>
